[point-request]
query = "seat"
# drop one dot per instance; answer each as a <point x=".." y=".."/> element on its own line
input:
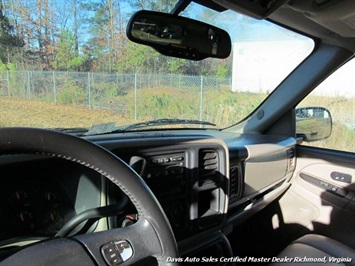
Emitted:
<point x="315" y="249"/>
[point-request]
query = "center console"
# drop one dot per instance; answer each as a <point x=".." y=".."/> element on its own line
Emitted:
<point x="190" y="181"/>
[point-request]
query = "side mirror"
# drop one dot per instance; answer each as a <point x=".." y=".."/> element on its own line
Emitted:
<point x="177" y="36"/>
<point x="313" y="123"/>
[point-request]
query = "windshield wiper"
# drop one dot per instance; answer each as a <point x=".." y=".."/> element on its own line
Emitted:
<point x="162" y="122"/>
<point x="152" y="123"/>
<point x="71" y="130"/>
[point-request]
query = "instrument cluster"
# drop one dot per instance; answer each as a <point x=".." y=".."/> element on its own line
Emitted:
<point x="33" y="208"/>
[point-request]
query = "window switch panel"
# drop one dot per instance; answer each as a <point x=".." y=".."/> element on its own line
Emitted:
<point x="341" y="177"/>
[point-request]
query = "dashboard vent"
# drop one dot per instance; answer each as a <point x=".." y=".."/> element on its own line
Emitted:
<point x="235" y="183"/>
<point x="208" y="165"/>
<point x="291" y="155"/>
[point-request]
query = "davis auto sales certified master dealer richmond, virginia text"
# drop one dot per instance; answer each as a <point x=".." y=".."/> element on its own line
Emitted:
<point x="262" y="259"/>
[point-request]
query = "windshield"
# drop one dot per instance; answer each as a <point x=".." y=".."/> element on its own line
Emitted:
<point x="68" y="64"/>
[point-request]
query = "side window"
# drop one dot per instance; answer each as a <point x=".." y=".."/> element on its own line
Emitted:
<point x="336" y="94"/>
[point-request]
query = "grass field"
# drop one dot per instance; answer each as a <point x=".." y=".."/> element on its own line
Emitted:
<point x="221" y="106"/>
<point x="31" y="113"/>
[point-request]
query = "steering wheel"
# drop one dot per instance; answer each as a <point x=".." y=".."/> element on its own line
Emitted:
<point x="150" y="237"/>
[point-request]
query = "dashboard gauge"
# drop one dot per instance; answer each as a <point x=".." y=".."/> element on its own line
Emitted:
<point x="25" y="221"/>
<point x="54" y="207"/>
<point x="20" y="197"/>
<point x="52" y="199"/>
<point x="52" y="216"/>
<point x="25" y="217"/>
<point x="51" y="196"/>
<point x="49" y="221"/>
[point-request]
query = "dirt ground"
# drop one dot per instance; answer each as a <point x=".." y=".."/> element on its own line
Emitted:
<point x="30" y="113"/>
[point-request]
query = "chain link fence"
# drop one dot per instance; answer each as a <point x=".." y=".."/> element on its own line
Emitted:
<point x="130" y="95"/>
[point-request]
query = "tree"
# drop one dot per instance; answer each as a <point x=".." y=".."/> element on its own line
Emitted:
<point x="156" y="5"/>
<point x="36" y="23"/>
<point x="175" y="65"/>
<point x="107" y="30"/>
<point x="9" y="42"/>
<point x="67" y="57"/>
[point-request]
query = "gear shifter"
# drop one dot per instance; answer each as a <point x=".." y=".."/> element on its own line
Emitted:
<point x="138" y="164"/>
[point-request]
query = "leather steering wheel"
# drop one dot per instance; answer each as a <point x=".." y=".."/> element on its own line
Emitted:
<point x="150" y="237"/>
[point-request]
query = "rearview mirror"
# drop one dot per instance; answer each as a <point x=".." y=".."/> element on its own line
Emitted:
<point x="313" y="123"/>
<point x="177" y="36"/>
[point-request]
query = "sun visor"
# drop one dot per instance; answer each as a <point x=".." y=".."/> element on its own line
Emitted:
<point x="259" y="9"/>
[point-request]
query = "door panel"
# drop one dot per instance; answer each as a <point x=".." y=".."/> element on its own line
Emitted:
<point x="322" y="179"/>
<point x="326" y="179"/>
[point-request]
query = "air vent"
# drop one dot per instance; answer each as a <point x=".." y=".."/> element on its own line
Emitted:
<point x="208" y="165"/>
<point x="291" y="155"/>
<point x="235" y="183"/>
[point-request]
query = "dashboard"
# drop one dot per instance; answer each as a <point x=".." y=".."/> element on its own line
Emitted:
<point x="205" y="181"/>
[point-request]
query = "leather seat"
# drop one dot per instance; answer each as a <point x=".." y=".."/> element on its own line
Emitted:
<point x="315" y="249"/>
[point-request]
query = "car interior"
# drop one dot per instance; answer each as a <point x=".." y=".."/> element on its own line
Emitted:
<point x="249" y="193"/>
